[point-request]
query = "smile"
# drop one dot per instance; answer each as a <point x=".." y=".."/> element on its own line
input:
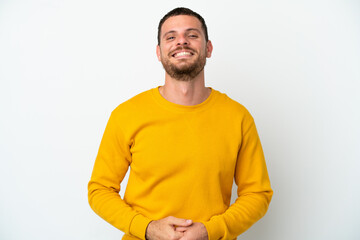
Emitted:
<point x="182" y="54"/>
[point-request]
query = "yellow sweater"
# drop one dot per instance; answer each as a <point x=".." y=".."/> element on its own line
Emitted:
<point x="183" y="160"/>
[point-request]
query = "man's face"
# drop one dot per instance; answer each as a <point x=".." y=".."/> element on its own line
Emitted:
<point x="183" y="49"/>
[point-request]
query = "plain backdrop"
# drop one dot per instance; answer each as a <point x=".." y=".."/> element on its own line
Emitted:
<point x="65" y="65"/>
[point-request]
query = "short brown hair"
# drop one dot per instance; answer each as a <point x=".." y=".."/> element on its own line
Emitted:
<point x="183" y="11"/>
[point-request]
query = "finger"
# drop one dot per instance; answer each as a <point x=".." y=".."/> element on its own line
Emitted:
<point x="181" y="229"/>
<point x="180" y="222"/>
<point x="178" y="235"/>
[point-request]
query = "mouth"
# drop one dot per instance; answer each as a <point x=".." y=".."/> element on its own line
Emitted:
<point x="182" y="54"/>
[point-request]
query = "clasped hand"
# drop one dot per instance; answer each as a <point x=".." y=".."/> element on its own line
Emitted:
<point x="172" y="228"/>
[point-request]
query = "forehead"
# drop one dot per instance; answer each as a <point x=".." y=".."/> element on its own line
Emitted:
<point x="180" y="23"/>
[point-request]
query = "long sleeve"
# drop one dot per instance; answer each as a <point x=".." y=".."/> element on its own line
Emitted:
<point x="167" y="146"/>
<point x="111" y="165"/>
<point x="254" y="191"/>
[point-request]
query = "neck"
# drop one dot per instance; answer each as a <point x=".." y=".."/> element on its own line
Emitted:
<point x="187" y="93"/>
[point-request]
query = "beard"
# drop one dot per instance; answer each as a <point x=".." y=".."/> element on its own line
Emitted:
<point x="184" y="71"/>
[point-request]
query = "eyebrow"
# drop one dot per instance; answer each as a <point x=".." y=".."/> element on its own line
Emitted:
<point x="187" y="30"/>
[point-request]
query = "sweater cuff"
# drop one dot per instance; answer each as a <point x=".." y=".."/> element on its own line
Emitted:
<point x="138" y="226"/>
<point x="214" y="229"/>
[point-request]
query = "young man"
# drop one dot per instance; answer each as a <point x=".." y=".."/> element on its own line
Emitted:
<point x="184" y="143"/>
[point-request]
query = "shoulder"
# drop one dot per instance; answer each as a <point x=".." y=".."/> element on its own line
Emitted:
<point x="134" y="105"/>
<point x="235" y="112"/>
<point x="232" y="106"/>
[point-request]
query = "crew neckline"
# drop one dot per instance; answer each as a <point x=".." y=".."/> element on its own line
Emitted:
<point x="183" y="108"/>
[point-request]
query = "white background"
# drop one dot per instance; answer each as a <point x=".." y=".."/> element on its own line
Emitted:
<point x="65" y="65"/>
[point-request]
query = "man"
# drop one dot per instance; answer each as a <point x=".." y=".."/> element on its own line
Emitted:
<point x="184" y="143"/>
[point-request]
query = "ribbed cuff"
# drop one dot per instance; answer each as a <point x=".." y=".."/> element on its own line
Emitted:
<point x="138" y="226"/>
<point x="214" y="229"/>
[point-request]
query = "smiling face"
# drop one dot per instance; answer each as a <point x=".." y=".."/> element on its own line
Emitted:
<point x="183" y="49"/>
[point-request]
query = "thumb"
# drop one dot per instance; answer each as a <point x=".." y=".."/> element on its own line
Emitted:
<point x="180" y="222"/>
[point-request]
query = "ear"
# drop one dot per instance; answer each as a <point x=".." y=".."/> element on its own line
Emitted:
<point x="209" y="49"/>
<point x="158" y="52"/>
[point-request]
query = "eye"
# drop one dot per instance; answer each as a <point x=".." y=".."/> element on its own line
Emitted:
<point x="170" y="38"/>
<point x="193" y="36"/>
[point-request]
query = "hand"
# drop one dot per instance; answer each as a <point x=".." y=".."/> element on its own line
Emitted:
<point x="164" y="229"/>
<point x="197" y="231"/>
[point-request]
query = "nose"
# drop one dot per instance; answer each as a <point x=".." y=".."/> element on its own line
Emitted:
<point x="182" y="41"/>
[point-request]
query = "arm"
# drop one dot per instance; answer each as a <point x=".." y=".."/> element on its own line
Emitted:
<point x="110" y="167"/>
<point x="254" y="191"/>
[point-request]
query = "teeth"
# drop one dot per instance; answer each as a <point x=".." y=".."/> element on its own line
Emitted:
<point x="182" y="54"/>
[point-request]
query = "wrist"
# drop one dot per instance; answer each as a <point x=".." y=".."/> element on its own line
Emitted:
<point x="147" y="231"/>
